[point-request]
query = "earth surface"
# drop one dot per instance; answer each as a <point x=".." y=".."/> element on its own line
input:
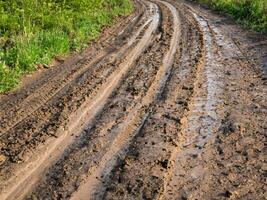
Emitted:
<point x="169" y="103"/>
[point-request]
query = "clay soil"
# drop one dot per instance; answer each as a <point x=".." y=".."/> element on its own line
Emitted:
<point x="170" y="103"/>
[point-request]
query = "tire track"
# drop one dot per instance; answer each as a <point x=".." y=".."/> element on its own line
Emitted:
<point x="200" y="122"/>
<point x="135" y="121"/>
<point x="40" y="163"/>
<point x="68" y="76"/>
<point x="192" y="173"/>
<point x="41" y="124"/>
<point x="168" y="105"/>
<point x="87" y="55"/>
<point x="128" y="124"/>
<point x="140" y="174"/>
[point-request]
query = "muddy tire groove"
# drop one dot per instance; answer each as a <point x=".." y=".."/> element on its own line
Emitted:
<point x="55" y="111"/>
<point x="67" y="77"/>
<point x="168" y="104"/>
<point x="165" y="122"/>
<point x="136" y="115"/>
<point x="113" y="80"/>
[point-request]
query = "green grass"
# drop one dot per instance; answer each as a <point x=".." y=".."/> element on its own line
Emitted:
<point x="252" y="13"/>
<point x="33" y="32"/>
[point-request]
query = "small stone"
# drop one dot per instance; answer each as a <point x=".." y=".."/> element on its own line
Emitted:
<point x="2" y="158"/>
<point x="184" y="120"/>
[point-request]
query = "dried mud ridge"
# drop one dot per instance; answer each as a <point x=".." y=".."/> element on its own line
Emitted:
<point x="170" y="103"/>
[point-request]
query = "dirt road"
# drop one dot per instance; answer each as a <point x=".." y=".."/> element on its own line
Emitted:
<point x="170" y="103"/>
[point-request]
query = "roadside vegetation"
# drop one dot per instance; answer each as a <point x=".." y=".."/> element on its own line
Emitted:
<point x="33" y="32"/>
<point x="252" y="13"/>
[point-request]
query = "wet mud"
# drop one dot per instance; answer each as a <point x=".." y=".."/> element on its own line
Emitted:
<point x="170" y="103"/>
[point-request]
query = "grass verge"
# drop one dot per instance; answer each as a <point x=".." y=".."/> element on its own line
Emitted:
<point x="33" y="32"/>
<point x="252" y="13"/>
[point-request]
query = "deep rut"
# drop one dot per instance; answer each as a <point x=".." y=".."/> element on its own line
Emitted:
<point x="166" y="105"/>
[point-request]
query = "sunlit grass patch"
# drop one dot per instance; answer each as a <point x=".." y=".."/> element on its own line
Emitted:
<point x="34" y="32"/>
<point x="252" y="13"/>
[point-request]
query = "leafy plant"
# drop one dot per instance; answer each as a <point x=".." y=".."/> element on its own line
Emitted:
<point x="32" y="32"/>
<point x="252" y="13"/>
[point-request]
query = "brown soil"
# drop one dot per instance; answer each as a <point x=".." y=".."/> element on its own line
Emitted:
<point x="170" y="103"/>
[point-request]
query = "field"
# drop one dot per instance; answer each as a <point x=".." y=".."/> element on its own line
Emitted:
<point x="33" y="32"/>
<point x="252" y="13"/>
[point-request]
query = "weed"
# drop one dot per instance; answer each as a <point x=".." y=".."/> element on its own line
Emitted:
<point x="34" y="32"/>
<point x="252" y="13"/>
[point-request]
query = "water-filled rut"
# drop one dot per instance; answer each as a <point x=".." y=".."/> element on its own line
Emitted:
<point x="170" y="103"/>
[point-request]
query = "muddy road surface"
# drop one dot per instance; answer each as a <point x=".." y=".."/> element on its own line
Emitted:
<point x="170" y="103"/>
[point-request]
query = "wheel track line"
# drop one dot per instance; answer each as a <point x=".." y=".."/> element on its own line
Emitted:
<point x="169" y="184"/>
<point x="133" y="125"/>
<point x="135" y="36"/>
<point x="198" y="107"/>
<point x="213" y="81"/>
<point x="233" y="41"/>
<point x="78" y="60"/>
<point x="130" y="43"/>
<point x="43" y="94"/>
<point x="169" y="174"/>
<point x="104" y="126"/>
<point x="26" y="178"/>
<point x="172" y="100"/>
<point x="82" y="59"/>
<point x="135" y="121"/>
